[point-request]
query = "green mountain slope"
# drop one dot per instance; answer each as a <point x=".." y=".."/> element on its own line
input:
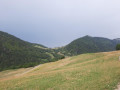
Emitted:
<point x="16" y="53"/>
<point x="89" y="44"/>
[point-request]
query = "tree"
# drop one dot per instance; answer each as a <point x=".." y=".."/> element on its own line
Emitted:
<point x="118" y="47"/>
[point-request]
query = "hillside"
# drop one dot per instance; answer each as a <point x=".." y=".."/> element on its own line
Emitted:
<point x="16" y="53"/>
<point x="92" y="71"/>
<point x="88" y="44"/>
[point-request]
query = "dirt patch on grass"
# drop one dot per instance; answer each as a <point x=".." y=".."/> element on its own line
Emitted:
<point x="118" y="87"/>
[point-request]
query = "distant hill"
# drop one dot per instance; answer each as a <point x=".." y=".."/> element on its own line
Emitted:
<point x="88" y="44"/>
<point x="16" y="53"/>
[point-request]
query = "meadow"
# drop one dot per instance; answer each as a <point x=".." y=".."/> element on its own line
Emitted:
<point x="91" y="71"/>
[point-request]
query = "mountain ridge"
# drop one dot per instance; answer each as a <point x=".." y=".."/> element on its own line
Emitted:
<point x="16" y="53"/>
<point x="89" y="44"/>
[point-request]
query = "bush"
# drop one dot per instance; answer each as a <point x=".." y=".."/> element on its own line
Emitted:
<point x="118" y="47"/>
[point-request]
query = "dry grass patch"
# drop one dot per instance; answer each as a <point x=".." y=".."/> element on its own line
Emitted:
<point x="96" y="71"/>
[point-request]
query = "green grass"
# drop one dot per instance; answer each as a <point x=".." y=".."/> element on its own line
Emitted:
<point x="96" y="71"/>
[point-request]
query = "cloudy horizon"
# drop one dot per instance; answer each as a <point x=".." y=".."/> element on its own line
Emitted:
<point x="55" y="23"/>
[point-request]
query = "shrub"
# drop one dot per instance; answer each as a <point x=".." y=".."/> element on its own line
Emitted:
<point x="118" y="47"/>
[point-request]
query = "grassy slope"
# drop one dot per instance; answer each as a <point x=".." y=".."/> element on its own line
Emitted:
<point x="99" y="71"/>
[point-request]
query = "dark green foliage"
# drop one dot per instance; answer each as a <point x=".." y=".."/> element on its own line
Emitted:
<point x="89" y="44"/>
<point x="118" y="47"/>
<point x="16" y="53"/>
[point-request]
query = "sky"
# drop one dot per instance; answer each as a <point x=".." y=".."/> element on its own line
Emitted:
<point x="55" y="23"/>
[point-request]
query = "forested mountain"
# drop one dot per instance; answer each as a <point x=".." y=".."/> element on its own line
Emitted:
<point x="88" y="44"/>
<point x="16" y="53"/>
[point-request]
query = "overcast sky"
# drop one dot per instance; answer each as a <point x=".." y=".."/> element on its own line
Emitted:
<point x="55" y="23"/>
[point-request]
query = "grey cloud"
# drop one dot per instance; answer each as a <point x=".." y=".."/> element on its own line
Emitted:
<point x="57" y="22"/>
